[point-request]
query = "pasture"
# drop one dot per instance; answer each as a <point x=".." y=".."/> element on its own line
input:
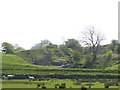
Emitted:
<point x="70" y="83"/>
<point x="12" y="64"/>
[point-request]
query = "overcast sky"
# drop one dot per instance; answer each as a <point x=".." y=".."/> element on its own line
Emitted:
<point x="27" y="22"/>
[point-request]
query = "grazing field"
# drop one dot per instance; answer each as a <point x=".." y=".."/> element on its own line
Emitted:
<point x="12" y="64"/>
<point x="70" y="83"/>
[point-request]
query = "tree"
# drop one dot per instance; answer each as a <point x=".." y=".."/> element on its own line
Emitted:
<point x="74" y="44"/>
<point x="76" y="56"/>
<point x="92" y="39"/>
<point x="18" y="48"/>
<point x="109" y="55"/>
<point x="113" y="46"/>
<point x="51" y="46"/>
<point x="7" y="48"/>
<point x="65" y="50"/>
<point x="40" y="45"/>
<point x="45" y="42"/>
<point x="88" y="58"/>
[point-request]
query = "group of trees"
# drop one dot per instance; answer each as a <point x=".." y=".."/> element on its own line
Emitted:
<point x="42" y="44"/>
<point x="73" y="49"/>
<point x="8" y="48"/>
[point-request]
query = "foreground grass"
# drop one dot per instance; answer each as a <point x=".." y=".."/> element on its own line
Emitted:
<point x="25" y="83"/>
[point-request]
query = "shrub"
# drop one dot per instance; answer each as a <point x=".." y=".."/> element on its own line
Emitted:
<point x="83" y="88"/>
<point x="107" y="84"/>
<point x="63" y="85"/>
<point x="38" y="85"/>
<point x="43" y="86"/>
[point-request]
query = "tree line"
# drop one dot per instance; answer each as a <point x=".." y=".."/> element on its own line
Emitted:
<point x="72" y="50"/>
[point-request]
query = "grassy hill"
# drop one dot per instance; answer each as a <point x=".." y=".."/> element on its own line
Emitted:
<point x="42" y="56"/>
<point x="16" y="65"/>
<point x="12" y="64"/>
<point x="35" y="56"/>
<point x="56" y="57"/>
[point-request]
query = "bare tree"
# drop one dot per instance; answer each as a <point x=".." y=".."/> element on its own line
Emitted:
<point x="92" y="39"/>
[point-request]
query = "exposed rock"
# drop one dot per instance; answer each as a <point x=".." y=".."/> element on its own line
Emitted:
<point x="60" y="63"/>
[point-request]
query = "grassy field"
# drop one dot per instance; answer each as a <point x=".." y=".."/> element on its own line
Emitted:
<point x="70" y="83"/>
<point x="12" y="64"/>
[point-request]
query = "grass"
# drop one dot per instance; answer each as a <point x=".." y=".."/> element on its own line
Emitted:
<point x="115" y="66"/>
<point x="25" y="83"/>
<point x="15" y="62"/>
<point x="12" y="64"/>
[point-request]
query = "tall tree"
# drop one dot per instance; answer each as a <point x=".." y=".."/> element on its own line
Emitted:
<point x="92" y="39"/>
<point x="7" y="48"/>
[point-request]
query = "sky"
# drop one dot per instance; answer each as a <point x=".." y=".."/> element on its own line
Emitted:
<point x="27" y="22"/>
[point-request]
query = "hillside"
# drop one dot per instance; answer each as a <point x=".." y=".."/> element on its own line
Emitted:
<point x="54" y="57"/>
<point x="44" y="57"/>
<point x="12" y="64"/>
<point x="68" y="55"/>
<point x="35" y="56"/>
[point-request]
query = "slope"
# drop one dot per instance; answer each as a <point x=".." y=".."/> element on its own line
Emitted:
<point x="12" y="64"/>
<point x="114" y="66"/>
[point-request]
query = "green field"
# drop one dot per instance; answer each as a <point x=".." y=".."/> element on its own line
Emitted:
<point x="12" y="64"/>
<point x="70" y="83"/>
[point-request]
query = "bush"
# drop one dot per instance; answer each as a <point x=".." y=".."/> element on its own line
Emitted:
<point x="63" y="85"/>
<point x="43" y="86"/>
<point x="38" y="85"/>
<point x="83" y="88"/>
